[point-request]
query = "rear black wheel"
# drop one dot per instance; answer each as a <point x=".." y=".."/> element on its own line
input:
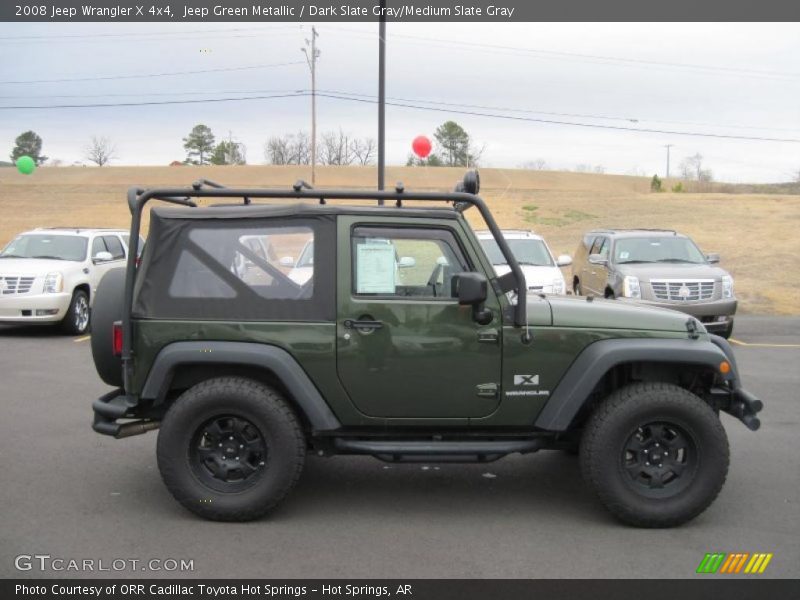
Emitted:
<point x="230" y="449"/>
<point x="655" y="454"/>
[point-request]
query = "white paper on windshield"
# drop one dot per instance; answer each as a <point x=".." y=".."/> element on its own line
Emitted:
<point x="375" y="269"/>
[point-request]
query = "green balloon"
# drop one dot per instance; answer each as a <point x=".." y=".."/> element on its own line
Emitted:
<point x="26" y="165"/>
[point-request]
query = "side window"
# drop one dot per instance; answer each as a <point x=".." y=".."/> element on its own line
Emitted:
<point x="597" y="247"/>
<point x="114" y="246"/>
<point x="604" y="248"/>
<point x="414" y="263"/>
<point x="587" y="242"/>
<point x="98" y="246"/>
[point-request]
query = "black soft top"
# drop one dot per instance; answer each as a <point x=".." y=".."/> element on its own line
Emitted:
<point x="254" y="211"/>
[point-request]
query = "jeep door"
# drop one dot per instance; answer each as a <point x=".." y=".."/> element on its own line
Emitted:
<point x="405" y="347"/>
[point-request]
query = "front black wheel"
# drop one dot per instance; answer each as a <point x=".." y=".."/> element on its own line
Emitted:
<point x="655" y="454"/>
<point x="230" y="449"/>
<point x="76" y="321"/>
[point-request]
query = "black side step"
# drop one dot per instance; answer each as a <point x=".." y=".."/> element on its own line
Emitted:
<point x="437" y="450"/>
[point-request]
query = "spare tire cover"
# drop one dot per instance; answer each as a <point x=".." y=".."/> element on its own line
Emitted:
<point x="106" y="309"/>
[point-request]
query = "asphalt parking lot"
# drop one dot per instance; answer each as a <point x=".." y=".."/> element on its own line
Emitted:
<point x="70" y="493"/>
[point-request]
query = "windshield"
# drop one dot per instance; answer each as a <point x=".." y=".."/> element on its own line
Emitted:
<point x="527" y="252"/>
<point x="306" y="256"/>
<point x="58" y="247"/>
<point x="657" y="249"/>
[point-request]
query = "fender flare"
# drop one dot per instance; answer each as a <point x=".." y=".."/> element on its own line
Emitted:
<point x="264" y="356"/>
<point x="599" y="357"/>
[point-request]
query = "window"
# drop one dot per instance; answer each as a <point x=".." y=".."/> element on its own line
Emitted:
<point x="238" y="270"/>
<point x="405" y="262"/>
<point x="527" y="252"/>
<point x="600" y="246"/>
<point x="114" y="246"/>
<point x="44" y="245"/>
<point x="98" y="245"/>
<point x="127" y="240"/>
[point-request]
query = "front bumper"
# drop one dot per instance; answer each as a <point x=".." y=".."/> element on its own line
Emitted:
<point x="733" y="398"/>
<point x="23" y="308"/>
<point x="115" y="405"/>
<point x="715" y="315"/>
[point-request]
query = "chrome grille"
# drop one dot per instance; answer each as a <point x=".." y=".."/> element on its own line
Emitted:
<point x="682" y="290"/>
<point x="14" y="284"/>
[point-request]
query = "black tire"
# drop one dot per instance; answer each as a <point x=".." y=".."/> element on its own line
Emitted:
<point x="189" y="456"/>
<point x="576" y="288"/>
<point x="728" y="331"/>
<point x="634" y="416"/>
<point x="77" y="319"/>
<point x="106" y="310"/>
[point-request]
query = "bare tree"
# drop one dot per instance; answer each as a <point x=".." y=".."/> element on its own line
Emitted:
<point x="278" y="150"/>
<point x="538" y="164"/>
<point x="336" y="149"/>
<point x="288" y="149"/>
<point x="100" y="150"/>
<point x="364" y="150"/>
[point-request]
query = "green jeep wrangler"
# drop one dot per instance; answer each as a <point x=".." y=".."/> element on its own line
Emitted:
<point x="251" y="334"/>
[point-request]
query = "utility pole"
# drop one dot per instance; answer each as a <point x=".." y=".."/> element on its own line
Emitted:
<point x="668" y="146"/>
<point x="312" y="54"/>
<point x="382" y="98"/>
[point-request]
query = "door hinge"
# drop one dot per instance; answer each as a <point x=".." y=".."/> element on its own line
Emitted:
<point x="487" y="390"/>
<point x="488" y="336"/>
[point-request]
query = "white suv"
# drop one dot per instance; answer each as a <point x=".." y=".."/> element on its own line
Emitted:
<point x="542" y="271"/>
<point x="50" y="275"/>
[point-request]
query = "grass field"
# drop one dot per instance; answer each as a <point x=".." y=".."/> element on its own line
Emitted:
<point x="757" y="235"/>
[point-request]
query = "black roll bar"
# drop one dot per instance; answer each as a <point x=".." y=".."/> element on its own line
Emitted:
<point x="138" y="198"/>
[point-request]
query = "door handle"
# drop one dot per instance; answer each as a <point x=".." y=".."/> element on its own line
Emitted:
<point x="362" y="324"/>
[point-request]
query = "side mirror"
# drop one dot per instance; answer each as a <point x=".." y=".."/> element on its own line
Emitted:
<point x="598" y="259"/>
<point x="712" y="257"/>
<point x="286" y="261"/>
<point x="564" y="260"/>
<point x="406" y="262"/>
<point x="102" y="256"/>
<point x="472" y="289"/>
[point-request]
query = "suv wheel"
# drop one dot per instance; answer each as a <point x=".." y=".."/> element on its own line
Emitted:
<point x="655" y="454"/>
<point x="76" y="321"/>
<point x="576" y="288"/>
<point x="230" y="449"/>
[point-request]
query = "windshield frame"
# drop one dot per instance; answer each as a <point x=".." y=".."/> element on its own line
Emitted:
<point x="84" y="252"/>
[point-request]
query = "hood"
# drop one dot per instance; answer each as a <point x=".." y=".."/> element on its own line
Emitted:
<point x="534" y="275"/>
<point x="648" y="271"/>
<point x="33" y="266"/>
<point x="612" y="314"/>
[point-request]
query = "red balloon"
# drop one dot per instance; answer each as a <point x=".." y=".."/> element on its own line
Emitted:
<point x="421" y="146"/>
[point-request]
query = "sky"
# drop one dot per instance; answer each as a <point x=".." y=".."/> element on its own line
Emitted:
<point x="739" y="80"/>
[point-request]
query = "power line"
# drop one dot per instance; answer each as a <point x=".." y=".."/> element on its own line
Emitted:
<point x="414" y="100"/>
<point x="158" y="103"/>
<point x="594" y="58"/>
<point x="49" y="38"/>
<point x="569" y="123"/>
<point x="414" y="106"/>
<point x="144" y="76"/>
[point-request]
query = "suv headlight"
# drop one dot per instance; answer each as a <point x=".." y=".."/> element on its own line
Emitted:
<point x="727" y="286"/>
<point x="558" y="286"/>
<point x="630" y="287"/>
<point x="53" y="283"/>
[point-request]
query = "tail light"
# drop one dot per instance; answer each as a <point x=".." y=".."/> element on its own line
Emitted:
<point x="116" y="340"/>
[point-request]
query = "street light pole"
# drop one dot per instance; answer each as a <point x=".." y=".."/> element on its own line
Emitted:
<point x="668" y="146"/>
<point x="312" y="64"/>
<point x="382" y="98"/>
